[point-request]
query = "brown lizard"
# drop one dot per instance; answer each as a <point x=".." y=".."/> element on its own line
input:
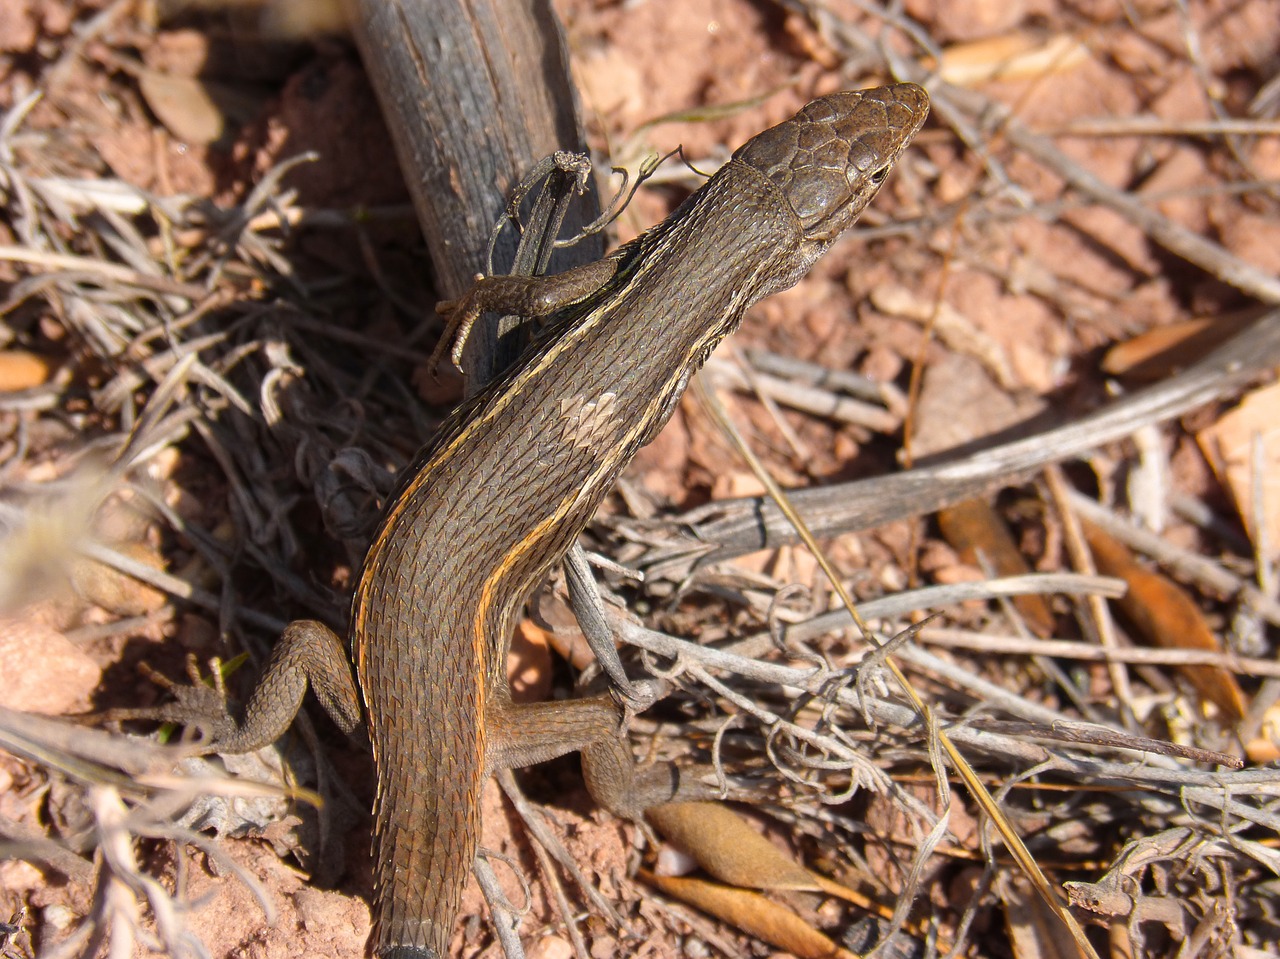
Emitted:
<point x="499" y="495"/>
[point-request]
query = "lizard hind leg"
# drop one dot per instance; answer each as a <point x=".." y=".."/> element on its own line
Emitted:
<point x="307" y="652"/>
<point x="524" y="734"/>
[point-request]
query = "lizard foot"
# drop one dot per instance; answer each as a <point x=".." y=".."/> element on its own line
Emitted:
<point x="461" y="315"/>
<point x="198" y="706"/>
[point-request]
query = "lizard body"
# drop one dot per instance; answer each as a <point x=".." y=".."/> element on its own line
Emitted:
<point x="497" y="498"/>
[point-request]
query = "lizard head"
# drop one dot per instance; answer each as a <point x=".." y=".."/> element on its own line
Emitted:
<point x="830" y="159"/>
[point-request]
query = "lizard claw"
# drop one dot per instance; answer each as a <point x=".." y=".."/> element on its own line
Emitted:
<point x="461" y="315"/>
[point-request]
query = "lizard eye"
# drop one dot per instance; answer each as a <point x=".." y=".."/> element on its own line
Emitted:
<point x="878" y="176"/>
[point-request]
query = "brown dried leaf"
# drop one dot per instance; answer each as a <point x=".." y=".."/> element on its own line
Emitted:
<point x="973" y="527"/>
<point x="1165" y="350"/>
<point x="753" y="914"/>
<point x="1165" y="615"/>
<point x="726" y="846"/>
<point x="1229" y="446"/>
<point x="1022" y="55"/>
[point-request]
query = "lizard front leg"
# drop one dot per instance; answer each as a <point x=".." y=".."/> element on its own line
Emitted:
<point x="528" y="296"/>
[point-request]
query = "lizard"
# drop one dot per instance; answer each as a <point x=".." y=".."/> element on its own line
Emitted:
<point x="499" y="495"/>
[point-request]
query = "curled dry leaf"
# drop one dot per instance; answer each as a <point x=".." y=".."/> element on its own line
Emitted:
<point x="1165" y="615"/>
<point x="974" y="528"/>
<point x="1165" y="350"/>
<point x="753" y="914"/>
<point x="726" y="846"/>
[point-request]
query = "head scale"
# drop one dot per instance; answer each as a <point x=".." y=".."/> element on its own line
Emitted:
<point x="831" y="157"/>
